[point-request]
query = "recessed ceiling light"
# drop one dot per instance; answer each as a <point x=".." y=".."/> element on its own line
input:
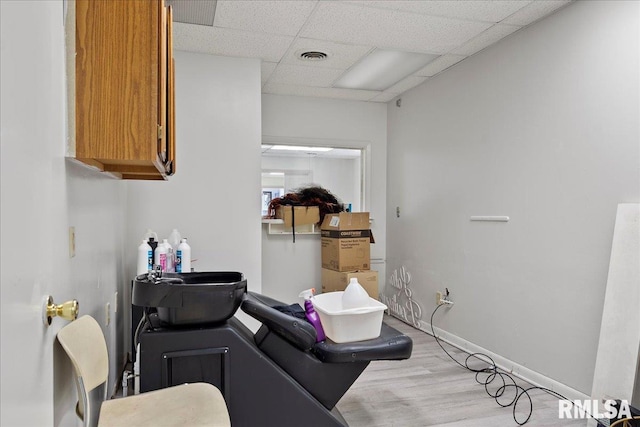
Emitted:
<point x="381" y="69"/>
<point x="312" y="55"/>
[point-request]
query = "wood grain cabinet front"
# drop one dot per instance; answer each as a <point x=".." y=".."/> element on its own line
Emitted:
<point x="124" y="88"/>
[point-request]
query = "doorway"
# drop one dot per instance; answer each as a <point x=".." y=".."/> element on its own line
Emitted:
<point x="287" y="167"/>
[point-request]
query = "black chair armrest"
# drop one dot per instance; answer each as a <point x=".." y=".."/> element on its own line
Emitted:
<point x="297" y="331"/>
<point x="390" y="345"/>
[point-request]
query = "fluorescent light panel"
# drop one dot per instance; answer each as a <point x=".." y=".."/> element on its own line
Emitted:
<point x="381" y="69"/>
<point x="300" y="148"/>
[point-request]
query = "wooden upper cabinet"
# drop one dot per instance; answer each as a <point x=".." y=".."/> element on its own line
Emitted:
<point x="124" y="100"/>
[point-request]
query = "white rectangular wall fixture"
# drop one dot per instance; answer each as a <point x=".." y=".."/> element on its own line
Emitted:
<point x="490" y="218"/>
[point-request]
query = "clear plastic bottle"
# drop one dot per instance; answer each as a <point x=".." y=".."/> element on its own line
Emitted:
<point x="174" y="241"/>
<point x="354" y="295"/>
<point x="183" y="257"/>
<point x="150" y="234"/>
<point x="170" y="257"/>
<point x="145" y="258"/>
<point x="311" y="314"/>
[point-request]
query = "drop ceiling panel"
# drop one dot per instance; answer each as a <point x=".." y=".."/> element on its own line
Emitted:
<point x="476" y="10"/>
<point x="341" y="55"/>
<point x="439" y="64"/>
<point x="227" y="42"/>
<point x="273" y="17"/>
<point x="489" y="37"/>
<point x="322" y="92"/>
<point x="199" y="12"/>
<point x="304" y="76"/>
<point x="534" y="11"/>
<point x="351" y="23"/>
<point x="277" y="30"/>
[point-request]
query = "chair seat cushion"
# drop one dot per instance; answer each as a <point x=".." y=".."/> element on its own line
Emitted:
<point x="198" y="404"/>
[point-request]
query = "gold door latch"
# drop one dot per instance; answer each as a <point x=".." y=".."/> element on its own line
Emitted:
<point x="67" y="310"/>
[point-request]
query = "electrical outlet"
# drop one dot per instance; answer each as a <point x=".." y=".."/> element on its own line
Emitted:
<point x="107" y="314"/>
<point x="438" y="298"/>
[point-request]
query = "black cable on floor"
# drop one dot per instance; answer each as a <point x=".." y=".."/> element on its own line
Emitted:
<point x="493" y="373"/>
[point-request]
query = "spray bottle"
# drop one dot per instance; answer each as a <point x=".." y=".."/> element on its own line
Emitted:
<point x="311" y="314"/>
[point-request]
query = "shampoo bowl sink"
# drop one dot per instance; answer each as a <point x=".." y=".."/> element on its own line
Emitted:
<point x="187" y="299"/>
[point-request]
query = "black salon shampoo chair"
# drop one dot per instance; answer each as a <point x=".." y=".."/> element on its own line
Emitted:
<point x="278" y="377"/>
<point x="325" y="369"/>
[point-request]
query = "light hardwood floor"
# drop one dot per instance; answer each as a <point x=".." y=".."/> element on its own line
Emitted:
<point x="429" y="389"/>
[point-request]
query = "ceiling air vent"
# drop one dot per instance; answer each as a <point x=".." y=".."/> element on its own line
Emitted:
<point x="313" y="55"/>
<point x="198" y="12"/>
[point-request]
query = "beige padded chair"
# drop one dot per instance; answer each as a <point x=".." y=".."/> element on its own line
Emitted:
<point x="198" y="404"/>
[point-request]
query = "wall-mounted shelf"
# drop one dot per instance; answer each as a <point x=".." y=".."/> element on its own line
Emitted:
<point x="276" y="226"/>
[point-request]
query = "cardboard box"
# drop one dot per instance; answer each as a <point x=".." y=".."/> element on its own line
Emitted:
<point x="346" y="241"/>
<point x="300" y="214"/>
<point x="338" y="280"/>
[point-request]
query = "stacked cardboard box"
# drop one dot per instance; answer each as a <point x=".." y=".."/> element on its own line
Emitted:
<point x="346" y="252"/>
<point x="294" y="216"/>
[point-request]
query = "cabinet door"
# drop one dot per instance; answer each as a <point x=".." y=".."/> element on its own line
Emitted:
<point x="162" y="84"/>
<point x="166" y="101"/>
<point x="171" y="98"/>
<point x="122" y="64"/>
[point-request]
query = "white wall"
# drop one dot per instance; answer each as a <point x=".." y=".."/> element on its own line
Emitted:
<point x="290" y="267"/>
<point x="542" y="127"/>
<point x="42" y="195"/>
<point x="214" y="197"/>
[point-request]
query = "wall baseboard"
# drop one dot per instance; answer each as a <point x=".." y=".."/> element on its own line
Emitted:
<point x="518" y="371"/>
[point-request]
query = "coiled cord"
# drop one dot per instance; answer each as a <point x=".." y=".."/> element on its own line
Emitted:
<point x="493" y="373"/>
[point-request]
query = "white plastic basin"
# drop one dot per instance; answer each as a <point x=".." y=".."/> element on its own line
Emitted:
<point x="355" y="324"/>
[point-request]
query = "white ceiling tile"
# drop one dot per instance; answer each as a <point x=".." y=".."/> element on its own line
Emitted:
<point x="227" y="42"/>
<point x="272" y="17"/>
<point x="266" y="68"/>
<point x="277" y="30"/>
<point x="489" y="37"/>
<point x="340" y="56"/>
<point x="477" y="10"/>
<point x="534" y="11"/>
<point x="322" y="92"/>
<point x="406" y="84"/>
<point x="304" y="76"/>
<point x="385" y="96"/>
<point x="439" y="64"/>
<point x="351" y="23"/>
